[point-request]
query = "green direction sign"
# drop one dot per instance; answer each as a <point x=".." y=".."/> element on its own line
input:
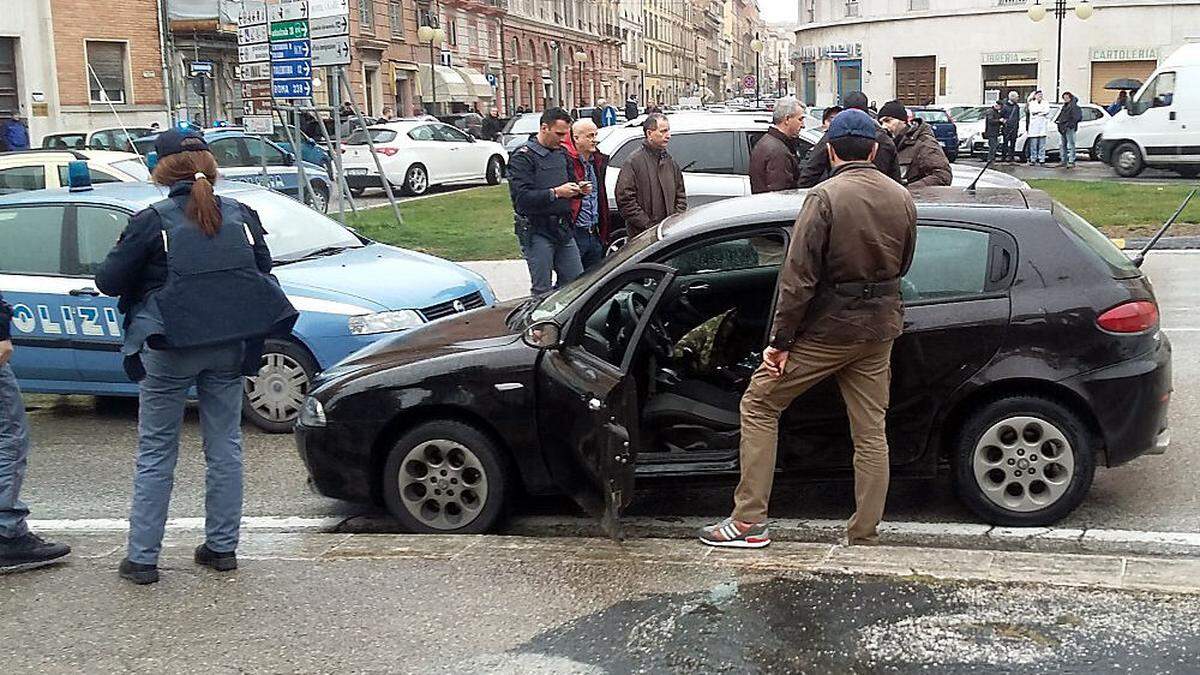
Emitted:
<point x="288" y="30"/>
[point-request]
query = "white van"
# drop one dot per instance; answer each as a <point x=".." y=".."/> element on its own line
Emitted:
<point x="1161" y="126"/>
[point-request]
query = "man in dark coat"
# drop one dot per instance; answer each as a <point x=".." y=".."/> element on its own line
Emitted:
<point x="1012" y="127"/>
<point x="922" y="160"/>
<point x="993" y="128"/>
<point x="650" y="186"/>
<point x="631" y="107"/>
<point x="1067" y="122"/>
<point x="773" y="162"/>
<point x="817" y="168"/>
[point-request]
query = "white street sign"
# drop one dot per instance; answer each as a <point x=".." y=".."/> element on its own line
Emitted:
<point x="248" y="35"/>
<point x="328" y="26"/>
<point x="252" y="17"/>
<point x="254" y="53"/>
<point x="253" y="72"/>
<point x="259" y="124"/>
<point x="289" y="11"/>
<point x="333" y="51"/>
<point x="323" y="8"/>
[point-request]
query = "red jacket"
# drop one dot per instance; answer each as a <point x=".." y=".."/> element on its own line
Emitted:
<point x="599" y="166"/>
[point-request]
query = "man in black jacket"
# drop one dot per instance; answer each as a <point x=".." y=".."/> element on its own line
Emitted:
<point x="1012" y="127"/>
<point x="993" y="128"/>
<point x="1068" y="123"/>
<point x="20" y="549"/>
<point x="631" y="107"/>
<point x="817" y="168"/>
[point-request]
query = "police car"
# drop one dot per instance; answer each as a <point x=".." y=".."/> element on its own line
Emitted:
<point x="253" y="159"/>
<point x="350" y="292"/>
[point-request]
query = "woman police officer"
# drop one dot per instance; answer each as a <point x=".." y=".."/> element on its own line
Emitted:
<point x="193" y="276"/>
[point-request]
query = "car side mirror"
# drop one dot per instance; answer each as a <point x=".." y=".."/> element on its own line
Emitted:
<point x="543" y="335"/>
<point x="289" y="158"/>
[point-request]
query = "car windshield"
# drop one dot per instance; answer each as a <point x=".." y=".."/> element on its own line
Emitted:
<point x="134" y="168"/>
<point x="932" y="115"/>
<point x="378" y="135"/>
<point x="552" y="305"/>
<point x="523" y="124"/>
<point x="295" y="231"/>
<point x="1091" y="238"/>
<point x="65" y="142"/>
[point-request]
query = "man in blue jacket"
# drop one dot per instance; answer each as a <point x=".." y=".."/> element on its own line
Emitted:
<point x="20" y="549"/>
<point x="14" y="133"/>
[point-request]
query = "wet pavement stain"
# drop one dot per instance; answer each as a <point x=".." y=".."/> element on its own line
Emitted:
<point x="840" y="624"/>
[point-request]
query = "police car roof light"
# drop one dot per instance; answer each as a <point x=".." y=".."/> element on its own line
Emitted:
<point x="78" y="176"/>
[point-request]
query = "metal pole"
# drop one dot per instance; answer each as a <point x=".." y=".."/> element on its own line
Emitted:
<point x="305" y="188"/>
<point x="432" y="82"/>
<point x="335" y="148"/>
<point x="387" y="186"/>
<point x="1060" y="10"/>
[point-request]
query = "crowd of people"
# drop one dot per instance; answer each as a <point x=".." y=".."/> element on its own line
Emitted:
<point x="1002" y="126"/>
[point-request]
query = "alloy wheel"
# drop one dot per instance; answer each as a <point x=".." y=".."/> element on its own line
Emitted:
<point x="418" y="181"/>
<point x="443" y="484"/>
<point x="277" y="393"/>
<point x="1023" y="464"/>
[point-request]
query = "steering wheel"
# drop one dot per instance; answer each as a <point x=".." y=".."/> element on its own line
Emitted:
<point x="633" y="307"/>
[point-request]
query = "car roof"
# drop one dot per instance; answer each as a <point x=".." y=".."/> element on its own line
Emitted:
<point x="133" y="196"/>
<point x="702" y="120"/>
<point x="104" y="156"/>
<point x="784" y="206"/>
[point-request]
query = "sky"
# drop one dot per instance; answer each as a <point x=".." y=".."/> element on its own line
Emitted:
<point x="778" y="11"/>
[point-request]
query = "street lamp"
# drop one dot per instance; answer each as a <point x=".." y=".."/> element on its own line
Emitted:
<point x="642" y="68"/>
<point x="580" y="58"/>
<point x="756" y="46"/>
<point x="431" y="35"/>
<point x="675" y="72"/>
<point x="1037" y="12"/>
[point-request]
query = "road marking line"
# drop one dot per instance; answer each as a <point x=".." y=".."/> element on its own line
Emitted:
<point x="277" y="523"/>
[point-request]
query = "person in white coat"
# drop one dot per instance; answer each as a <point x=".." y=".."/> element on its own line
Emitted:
<point x="1039" y="122"/>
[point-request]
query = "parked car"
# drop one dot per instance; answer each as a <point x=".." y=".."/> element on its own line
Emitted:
<point x="942" y="126"/>
<point x="519" y="129"/>
<point x="1087" y="139"/>
<point x="713" y="151"/>
<point x="969" y="120"/>
<point x="119" y="139"/>
<point x="253" y="159"/>
<point x="38" y="169"/>
<point x="69" y="336"/>
<point x="416" y="155"/>
<point x="1031" y="354"/>
<point x="311" y="151"/>
<point x="1154" y="130"/>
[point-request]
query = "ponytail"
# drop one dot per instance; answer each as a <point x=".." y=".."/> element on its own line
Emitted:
<point x="200" y="167"/>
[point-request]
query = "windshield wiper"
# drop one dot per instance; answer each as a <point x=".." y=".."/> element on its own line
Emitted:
<point x="521" y="311"/>
<point x="316" y="253"/>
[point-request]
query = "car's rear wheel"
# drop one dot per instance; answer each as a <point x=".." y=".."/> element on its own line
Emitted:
<point x="446" y="477"/>
<point x="318" y="197"/>
<point x="1094" y="153"/>
<point x="495" y="170"/>
<point x="1023" y="461"/>
<point x="416" y="180"/>
<point x="272" y="399"/>
<point x="1127" y="160"/>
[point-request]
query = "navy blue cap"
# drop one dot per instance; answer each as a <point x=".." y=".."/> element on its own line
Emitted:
<point x="178" y="139"/>
<point x="852" y="122"/>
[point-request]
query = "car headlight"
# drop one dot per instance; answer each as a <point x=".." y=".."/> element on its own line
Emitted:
<point x="313" y="413"/>
<point x="384" y="322"/>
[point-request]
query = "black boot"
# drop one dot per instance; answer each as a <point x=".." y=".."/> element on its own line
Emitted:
<point x="28" y="551"/>
<point x="221" y="562"/>
<point x="138" y="573"/>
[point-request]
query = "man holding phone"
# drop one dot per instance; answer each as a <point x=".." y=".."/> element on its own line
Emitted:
<point x="590" y="210"/>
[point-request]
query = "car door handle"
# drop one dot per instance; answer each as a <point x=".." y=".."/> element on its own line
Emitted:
<point x="697" y="286"/>
<point x="84" y="291"/>
<point x="1172" y="115"/>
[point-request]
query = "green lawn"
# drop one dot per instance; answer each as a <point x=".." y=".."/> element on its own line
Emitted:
<point x="1126" y="209"/>
<point x="476" y="224"/>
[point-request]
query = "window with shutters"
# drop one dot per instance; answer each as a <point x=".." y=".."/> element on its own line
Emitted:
<point x="366" y="16"/>
<point x="396" y="18"/>
<point x="106" y="71"/>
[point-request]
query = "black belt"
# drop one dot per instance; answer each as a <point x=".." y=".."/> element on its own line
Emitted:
<point x="868" y="290"/>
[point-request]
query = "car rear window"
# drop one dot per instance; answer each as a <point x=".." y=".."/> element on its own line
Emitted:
<point x="932" y="115"/>
<point x="1092" y="239"/>
<point x="523" y="124"/>
<point x="359" y="137"/>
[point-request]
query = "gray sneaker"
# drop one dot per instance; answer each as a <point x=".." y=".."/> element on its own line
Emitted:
<point x="730" y="533"/>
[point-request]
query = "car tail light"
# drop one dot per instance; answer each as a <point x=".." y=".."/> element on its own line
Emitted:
<point x="387" y="151"/>
<point x="1130" y="317"/>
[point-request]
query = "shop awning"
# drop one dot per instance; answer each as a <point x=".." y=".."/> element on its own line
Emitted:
<point x="477" y="82"/>
<point x="450" y="85"/>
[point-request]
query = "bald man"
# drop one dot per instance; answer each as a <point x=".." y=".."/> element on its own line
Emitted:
<point x="590" y="210"/>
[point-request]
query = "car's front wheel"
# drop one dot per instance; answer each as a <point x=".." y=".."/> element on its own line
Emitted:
<point x="446" y="477"/>
<point x="495" y="170"/>
<point x="416" y="180"/>
<point x="272" y="399"/>
<point x="318" y="197"/>
<point x="1127" y="160"/>
<point x="1023" y="461"/>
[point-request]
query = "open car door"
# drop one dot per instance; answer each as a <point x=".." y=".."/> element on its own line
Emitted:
<point x="588" y="411"/>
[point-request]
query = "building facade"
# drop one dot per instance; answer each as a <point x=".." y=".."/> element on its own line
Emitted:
<point x="970" y="51"/>
<point x="66" y="67"/>
<point x="633" y="49"/>
<point x="562" y="52"/>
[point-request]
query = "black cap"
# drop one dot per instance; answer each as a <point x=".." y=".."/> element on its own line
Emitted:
<point x="856" y="100"/>
<point x="895" y="110"/>
<point x="175" y="140"/>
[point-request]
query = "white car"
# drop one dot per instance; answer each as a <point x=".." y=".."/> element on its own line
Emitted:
<point x="1087" y="138"/>
<point x="416" y="154"/>
<point x="37" y="169"/>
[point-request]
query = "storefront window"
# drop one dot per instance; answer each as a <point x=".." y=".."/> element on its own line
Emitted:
<point x="849" y="77"/>
<point x="998" y="80"/>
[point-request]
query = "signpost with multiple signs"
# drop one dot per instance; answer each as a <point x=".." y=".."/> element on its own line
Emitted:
<point x="254" y="70"/>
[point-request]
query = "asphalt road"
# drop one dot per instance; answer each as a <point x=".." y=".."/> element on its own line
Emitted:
<point x="1085" y="170"/>
<point x="82" y="463"/>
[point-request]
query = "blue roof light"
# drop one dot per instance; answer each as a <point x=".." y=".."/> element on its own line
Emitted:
<point x="78" y="176"/>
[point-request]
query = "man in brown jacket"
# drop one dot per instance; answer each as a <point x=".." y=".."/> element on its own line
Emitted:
<point x="922" y="160"/>
<point x="650" y="186"/>
<point x="838" y="311"/>
<point x="773" y="162"/>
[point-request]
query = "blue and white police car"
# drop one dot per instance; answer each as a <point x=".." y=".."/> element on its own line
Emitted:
<point x="350" y="292"/>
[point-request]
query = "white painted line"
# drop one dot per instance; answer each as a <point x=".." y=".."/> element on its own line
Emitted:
<point x="275" y="523"/>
